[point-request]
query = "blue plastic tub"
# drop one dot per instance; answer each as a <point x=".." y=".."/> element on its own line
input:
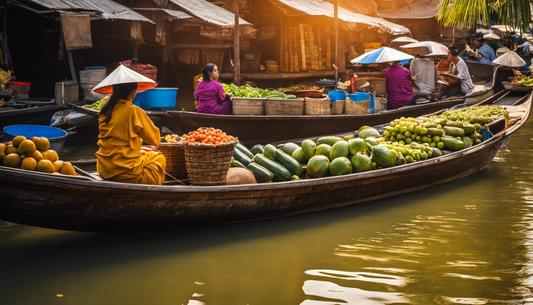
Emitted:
<point x="359" y="96"/>
<point x="157" y="98"/>
<point x="337" y="95"/>
<point x="56" y="136"/>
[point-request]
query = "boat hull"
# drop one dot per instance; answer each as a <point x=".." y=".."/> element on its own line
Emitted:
<point x="74" y="204"/>
<point x="266" y="129"/>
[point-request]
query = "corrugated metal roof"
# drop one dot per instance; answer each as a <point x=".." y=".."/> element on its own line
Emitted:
<point x="323" y="8"/>
<point x="175" y="15"/>
<point x="209" y="12"/>
<point x="107" y="8"/>
<point x="415" y="9"/>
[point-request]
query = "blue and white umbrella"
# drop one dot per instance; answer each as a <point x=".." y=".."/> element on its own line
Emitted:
<point x="382" y="55"/>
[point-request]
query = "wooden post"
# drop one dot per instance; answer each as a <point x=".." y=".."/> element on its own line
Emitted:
<point x="4" y="40"/>
<point x="336" y="23"/>
<point x="236" y="48"/>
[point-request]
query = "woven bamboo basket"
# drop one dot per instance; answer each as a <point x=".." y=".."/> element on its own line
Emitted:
<point x="207" y="164"/>
<point x="281" y="106"/>
<point x="248" y="106"/>
<point x="317" y="106"/>
<point x="175" y="158"/>
<point x="360" y="107"/>
<point x="337" y="107"/>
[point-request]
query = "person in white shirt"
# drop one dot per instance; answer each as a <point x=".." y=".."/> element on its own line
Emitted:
<point x="425" y="73"/>
<point x="460" y="82"/>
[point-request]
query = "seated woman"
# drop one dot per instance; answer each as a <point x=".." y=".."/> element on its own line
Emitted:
<point x="123" y="128"/>
<point x="210" y="94"/>
<point x="461" y="83"/>
<point x="399" y="86"/>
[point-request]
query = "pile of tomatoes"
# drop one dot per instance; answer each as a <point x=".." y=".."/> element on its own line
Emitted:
<point x="207" y="136"/>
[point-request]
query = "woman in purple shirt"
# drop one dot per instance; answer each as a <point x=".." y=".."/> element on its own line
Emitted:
<point x="399" y="86"/>
<point x="210" y="93"/>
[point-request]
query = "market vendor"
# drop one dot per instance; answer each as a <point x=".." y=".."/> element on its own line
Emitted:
<point x="399" y="86"/>
<point x="482" y="52"/>
<point x="461" y="83"/>
<point x="123" y="128"/>
<point x="210" y="95"/>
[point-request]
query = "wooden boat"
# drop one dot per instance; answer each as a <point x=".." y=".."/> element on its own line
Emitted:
<point x="251" y="129"/>
<point x="510" y="86"/>
<point x="480" y="70"/>
<point x="87" y="204"/>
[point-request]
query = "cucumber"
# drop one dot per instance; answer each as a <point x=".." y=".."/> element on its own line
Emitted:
<point x="261" y="174"/>
<point x="454" y="131"/>
<point x="454" y="123"/>
<point x="241" y="157"/>
<point x="257" y="149"/>
<point x="289" y="148"/>
<point x="435" y="131"/>
<point x="244" y="150"/>
<point x="279" y="171"/>
<point x="453" y="143"/>
<point x="430" y="125"/>
<point x="270" y="151"/>
<point x="330" y="140"/>
<point x="235" y="163"/>
<point x="293" y="166"/>
<point x="469" y="128"/>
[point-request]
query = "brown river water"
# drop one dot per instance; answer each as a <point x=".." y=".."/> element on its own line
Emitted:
<point x="465" y="242"/>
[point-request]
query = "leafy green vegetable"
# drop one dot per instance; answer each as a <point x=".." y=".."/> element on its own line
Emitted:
<point x="247" y="91"/>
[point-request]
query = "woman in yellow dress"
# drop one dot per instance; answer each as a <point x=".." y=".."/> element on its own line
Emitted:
<point x="123" y="128"/>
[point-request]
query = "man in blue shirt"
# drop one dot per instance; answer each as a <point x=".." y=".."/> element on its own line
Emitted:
<point x="482" y="52"/>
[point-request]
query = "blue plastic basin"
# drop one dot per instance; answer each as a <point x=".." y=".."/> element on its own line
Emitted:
<point x="56" y="136"/>
<point x="359" y="96"/>
<point x="157" y="98"/>
<point x="337" y="95"/>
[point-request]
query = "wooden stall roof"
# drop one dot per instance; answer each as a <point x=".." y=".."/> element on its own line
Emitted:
<point x="414" y="9"/>
<point x="105" y="9"/>
<point x="209" y="12"/>
<point x="323" y="8"/>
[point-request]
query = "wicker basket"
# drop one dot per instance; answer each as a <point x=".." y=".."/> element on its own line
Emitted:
<point x="317" y="106"/>
<point x="280" y="106"/>
<point x="175" y="157"/>
<point x="360" y="107"/>
<point x="248" y="106"/>
<point x="337" y="107"/>
<point x="207" y="164"/>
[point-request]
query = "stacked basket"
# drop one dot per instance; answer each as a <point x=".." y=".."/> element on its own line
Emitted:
<point x="271" y="66"/>
<point x="208" y="164"/>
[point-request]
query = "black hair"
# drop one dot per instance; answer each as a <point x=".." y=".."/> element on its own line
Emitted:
<point x="478" y="36"/>
<point x="205" y="71"/>
<point x="120" y="91"/>
<point x="453" y="50"/>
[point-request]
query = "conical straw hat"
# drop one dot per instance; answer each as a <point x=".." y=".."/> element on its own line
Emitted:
<point x="123" y="75"/>
<point x="510" y="59"/>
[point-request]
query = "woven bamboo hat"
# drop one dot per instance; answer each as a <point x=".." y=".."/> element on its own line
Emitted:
<point x="123" y="75"/>
<point x="491" y="35"/>
<point x="510" y="59"/>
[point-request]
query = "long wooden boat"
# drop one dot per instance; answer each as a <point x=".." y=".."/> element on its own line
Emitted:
<point x="86" y="204"/>
<point x="264" y="129"/>
<point x="252" y="129"/>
